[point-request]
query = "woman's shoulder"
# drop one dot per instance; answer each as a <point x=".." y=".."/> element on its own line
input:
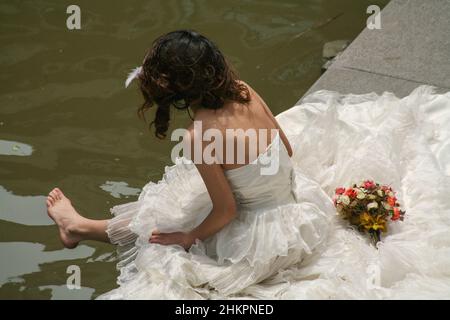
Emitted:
<point x="230" y="115"/>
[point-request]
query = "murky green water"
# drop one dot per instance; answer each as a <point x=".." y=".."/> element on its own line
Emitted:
<point x="67" y="121"/>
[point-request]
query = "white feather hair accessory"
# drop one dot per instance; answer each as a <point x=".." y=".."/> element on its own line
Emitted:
<point x="133" y="75"/>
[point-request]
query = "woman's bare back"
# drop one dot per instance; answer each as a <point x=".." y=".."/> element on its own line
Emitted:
<point x="247" y="129"/>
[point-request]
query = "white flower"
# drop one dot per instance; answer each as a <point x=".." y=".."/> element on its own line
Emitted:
<point x="360" y="194"/>
<point x="380" y="193"/>
<point x="344" y="199"/>
<point x="372" y="205"/>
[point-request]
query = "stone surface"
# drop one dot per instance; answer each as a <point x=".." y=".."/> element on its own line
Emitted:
<point x="411" y="48"/>
<point x="358" y="82"/>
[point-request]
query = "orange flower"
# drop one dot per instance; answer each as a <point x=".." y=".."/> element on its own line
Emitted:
<point x="392" y="201"/>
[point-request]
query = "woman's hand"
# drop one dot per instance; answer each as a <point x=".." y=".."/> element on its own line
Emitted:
<point x="184" y="239"/>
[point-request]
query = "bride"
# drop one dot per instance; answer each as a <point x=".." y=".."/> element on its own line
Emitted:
<point x="225" y="229"/>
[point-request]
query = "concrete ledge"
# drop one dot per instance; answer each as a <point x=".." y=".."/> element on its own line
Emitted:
<point x="354" y="81"/>
<point x="411" y="49"/>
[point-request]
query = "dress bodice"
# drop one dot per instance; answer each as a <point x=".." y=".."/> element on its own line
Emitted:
<point x="265" y="182"/>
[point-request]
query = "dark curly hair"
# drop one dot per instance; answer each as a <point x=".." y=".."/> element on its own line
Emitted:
<point x="182" y="67"/>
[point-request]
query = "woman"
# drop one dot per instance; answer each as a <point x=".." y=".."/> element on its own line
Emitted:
<point x="220" y="229"/>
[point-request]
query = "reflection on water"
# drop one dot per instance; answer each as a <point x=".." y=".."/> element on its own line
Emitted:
<point x="62" y="293"/>
<point x="13" y="148"/>
<point x="119" y="188"/>
<point x="62" y="93"/>
<point x="27" y="210"/>
<point x="24" y="258"/>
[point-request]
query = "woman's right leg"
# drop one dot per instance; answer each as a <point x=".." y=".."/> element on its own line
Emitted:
<point x="73" y="227"/>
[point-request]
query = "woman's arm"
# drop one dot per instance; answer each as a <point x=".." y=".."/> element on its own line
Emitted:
<point x="224" y="209"/>
<point x="224" y="204"/>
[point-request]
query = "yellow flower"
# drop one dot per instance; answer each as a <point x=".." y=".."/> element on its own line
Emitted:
<point x="369" y="222"/>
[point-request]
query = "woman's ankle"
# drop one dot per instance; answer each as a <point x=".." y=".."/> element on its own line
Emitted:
<point x="80" y="228"/>
<point x="89" y="229"/>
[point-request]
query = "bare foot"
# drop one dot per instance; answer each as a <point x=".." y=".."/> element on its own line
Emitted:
<point x="60" y="209"/>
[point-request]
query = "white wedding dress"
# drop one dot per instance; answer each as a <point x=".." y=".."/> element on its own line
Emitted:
<point x="287" y="242"/>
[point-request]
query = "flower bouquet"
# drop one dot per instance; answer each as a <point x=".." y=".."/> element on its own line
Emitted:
<point x="368" y="206"/>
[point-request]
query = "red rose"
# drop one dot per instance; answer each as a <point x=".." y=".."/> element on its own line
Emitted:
<point x="351" y="193"/>
<point x="340" y="191"/>
<point x="396" y="214"/>
<point x="369" y="184"/>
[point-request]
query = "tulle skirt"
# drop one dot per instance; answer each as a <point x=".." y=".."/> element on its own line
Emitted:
<point x="253" y="247"/>
<point x="301" y="249"/>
